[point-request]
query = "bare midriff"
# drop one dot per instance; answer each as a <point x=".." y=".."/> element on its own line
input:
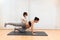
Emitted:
<point x="27" y="25"/>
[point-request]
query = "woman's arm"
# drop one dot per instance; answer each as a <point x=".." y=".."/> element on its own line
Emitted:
<point x="32" y="28"/>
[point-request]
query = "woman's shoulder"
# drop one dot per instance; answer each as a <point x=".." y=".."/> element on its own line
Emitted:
<point x="22" y="17"/>
<point x="32" y="21"/>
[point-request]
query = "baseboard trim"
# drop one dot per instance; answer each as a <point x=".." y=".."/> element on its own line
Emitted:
<point x="34" y="29"/>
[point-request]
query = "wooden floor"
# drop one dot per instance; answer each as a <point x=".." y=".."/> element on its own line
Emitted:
<point x="52" y="35"/>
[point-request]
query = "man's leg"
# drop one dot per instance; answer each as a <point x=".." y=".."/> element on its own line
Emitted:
<point x="14" y="24"/>
<point x="17" y="24"/>
<point x="23" y="29"/>
<point x="7" y="24"/>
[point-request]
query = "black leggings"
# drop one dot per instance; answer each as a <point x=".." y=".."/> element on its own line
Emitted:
<point x="18" y="24"/>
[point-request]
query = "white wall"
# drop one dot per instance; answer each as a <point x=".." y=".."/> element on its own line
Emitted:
<point x="12" y="10"/>
<point x="1" y="5"/>
<point x="58" y="15"/>
<point x="46" y="10"/>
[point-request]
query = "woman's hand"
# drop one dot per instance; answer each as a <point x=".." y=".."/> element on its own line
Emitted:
<point x="33" y="33"/>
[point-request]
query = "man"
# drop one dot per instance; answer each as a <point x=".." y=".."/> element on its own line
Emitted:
<point x="26" y="25"/>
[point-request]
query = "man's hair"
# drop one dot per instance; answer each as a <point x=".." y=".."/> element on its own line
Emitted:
<point x="36" y="18"/>
<point x="25" y="13"/>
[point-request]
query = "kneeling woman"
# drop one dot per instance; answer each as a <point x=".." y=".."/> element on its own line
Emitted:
<point x="25" y="26"/>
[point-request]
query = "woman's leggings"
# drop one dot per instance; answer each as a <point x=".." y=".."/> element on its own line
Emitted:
<point x="18" y="24"/>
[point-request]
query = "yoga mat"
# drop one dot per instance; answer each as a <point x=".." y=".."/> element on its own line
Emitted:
<point x="37" y="33"/>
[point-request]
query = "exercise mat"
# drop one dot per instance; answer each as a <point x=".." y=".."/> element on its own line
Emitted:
<point x="28" y="33"/>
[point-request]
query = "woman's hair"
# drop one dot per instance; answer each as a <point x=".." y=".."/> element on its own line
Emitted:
<point x="25" y="13"/>
<point x="36" y="18"/>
